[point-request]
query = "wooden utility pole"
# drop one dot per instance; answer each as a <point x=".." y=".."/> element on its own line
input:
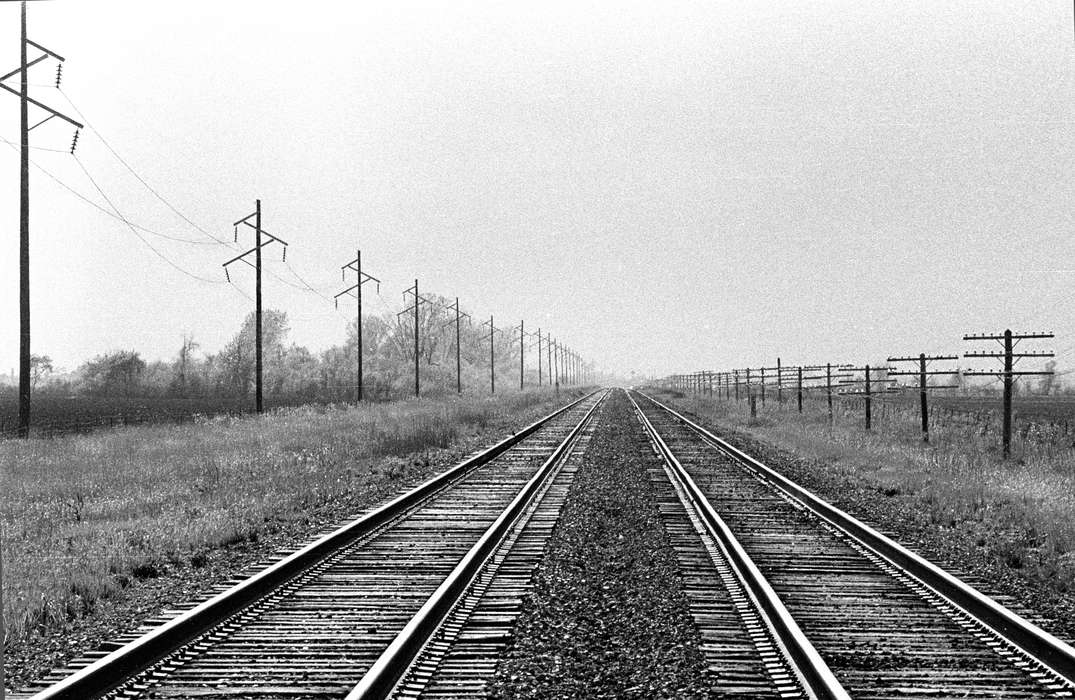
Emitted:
<point x="522" y="353"/>
<point x="556" y="365"/>
<point x="924" y="387"/>
<point x="492" y="354"/>
<point x="539" y="355"/>
<point x="23" y="93"/>
<point x="356" y="290"/>
<point x="418" y="301"/>
<point x="867" y="393"/>
<point x="800" y="389"/>
<point x="458" y="344"/>
<point x="416" y="347"/>
<point x="1009" y="357"/>
<point x="259" y="243"/>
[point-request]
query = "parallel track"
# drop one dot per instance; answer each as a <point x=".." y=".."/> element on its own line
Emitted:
<point x="884" y="621"/>
<point x="311" y="625"/>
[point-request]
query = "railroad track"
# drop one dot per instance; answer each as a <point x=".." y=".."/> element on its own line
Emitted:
<point x="365" y="610"/>
<point x="833" y="607"/>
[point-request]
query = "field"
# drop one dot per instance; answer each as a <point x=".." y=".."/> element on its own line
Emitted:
<point x="85" y="516"/>
<point x="59" y="415"/>
<point x="1007" y="516"/>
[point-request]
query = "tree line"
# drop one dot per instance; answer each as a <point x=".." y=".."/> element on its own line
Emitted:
<point x="295" y="372"/>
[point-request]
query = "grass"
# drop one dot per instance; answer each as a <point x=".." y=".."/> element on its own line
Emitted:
<point x="84" y="516"/>
<point x="1017" y="514"/>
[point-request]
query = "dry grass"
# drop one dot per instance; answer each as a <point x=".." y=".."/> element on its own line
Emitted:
<point x="1020" y="512"/>
<point x="84" y="515"/>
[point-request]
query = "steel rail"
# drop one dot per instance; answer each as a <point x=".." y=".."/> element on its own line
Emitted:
<point x="1051" y="652"/>
<point x="112" y="670"/>
<point x="382" y="677"/>
<point x="815" y="676"/>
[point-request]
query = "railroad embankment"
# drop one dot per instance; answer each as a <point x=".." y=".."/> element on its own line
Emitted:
<point x="1009" y="524"/>
<point x="102" y="531"/>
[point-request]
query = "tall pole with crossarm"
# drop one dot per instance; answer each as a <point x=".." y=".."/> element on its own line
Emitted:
<point x="260" y="235"/>
<point x="356" y="290"/>
<point x="24" y="202"/>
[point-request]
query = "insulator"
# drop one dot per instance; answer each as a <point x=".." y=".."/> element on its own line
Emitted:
<point x="336" y="301"/>
<point x="236" y="235"/>
<point x="284" y="257"/>
<point x="227" y="275"/>
<point x="74" y="142"/>
<point x="59" y="73"/>
<point x="343" y="274"/>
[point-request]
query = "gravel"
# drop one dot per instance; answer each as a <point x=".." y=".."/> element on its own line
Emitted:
<point x="607" y="617"/>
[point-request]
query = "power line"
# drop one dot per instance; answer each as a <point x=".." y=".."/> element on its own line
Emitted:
<point x="142" y="180"/>
<point x="140" y="236"/>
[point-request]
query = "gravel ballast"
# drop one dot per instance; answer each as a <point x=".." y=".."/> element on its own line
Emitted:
<point x="607" y="617"/>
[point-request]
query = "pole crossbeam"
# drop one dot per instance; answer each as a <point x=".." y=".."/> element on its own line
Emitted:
<point x="1003" y="336"/>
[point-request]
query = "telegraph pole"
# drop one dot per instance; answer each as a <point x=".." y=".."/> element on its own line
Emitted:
<point x="418" y="300"/>
<point x="356" y="289"/>
<point x="458" y="361"/>
<point x="867" y="392"/>
<point x="539" y="355"/>
<point x="924" y="387"/>
<point x="522" y="353"/>
<point x="548" y="349"/>
<point x="24" y="203"/>
<point x="492" y="354"/>
<point x="256" y="250"/>
<point x="556" y="365"/>
<point x="1008" y="341"/>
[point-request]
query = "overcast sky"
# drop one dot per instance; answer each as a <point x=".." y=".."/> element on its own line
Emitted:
<point x="664" y="185"/>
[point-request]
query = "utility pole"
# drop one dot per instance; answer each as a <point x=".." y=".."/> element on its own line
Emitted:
<point x="867" y="391"/>
<point x="539" y="355"/>
<point x="24" y="203"/>
<point x="556" y="366"/>
<point x="779" y="383"/>
<point x="1008" y="341"/>
<point x="458" y="360"/>
<point x="256" y="250"/>
<point x="548" y="349"/>
<point x="522" y="353"/>
<point x="418" y="301"/>
<point x="493" y="330"/>
<point x="356" y="291"/>
<point x="924" y="387"/>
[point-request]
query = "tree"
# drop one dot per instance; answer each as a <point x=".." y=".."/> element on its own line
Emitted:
<point x="182" y="366"/>
<point x="40" y="368"/>
<point x="115" y="373"/>
<point x="1049" y="383"/>
<point x="235" y="364"/>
